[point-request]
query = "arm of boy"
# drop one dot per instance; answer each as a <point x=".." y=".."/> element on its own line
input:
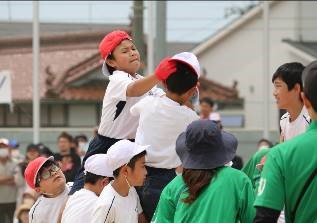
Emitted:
<point x="140" y="87"/>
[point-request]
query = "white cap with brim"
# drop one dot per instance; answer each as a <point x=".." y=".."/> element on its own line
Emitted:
<point x="190" y="59"/>
<point x="122" y="152"/>
<point x="98" y="164"/>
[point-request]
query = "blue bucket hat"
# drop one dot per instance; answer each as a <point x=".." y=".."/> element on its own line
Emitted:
<point x="204" y="146"/>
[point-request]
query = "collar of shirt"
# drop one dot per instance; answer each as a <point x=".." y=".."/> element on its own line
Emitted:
<point x="313" y="125"/>
<point x="169" y="101"/>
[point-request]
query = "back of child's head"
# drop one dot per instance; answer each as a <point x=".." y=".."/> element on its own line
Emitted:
<point x="310" y="83"/>
<point x="92" y="178"/>
<point x="208" y="101"/>
<point x="290" y="73"/>
<point x="182" y="80"/>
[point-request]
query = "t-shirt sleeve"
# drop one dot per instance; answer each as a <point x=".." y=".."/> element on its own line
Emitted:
<point x="247" y="196"/>
<point x="117" y="86"/>
<point x="165" y="209"/>
<point x="103" y="214"/>
<point x="270" y="192"/>
<point x="136" y="109"/>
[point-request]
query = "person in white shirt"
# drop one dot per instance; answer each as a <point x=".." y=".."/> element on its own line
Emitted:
<point x="118" y="201"/>
<point x="125" y="88"/>
<point x="45" y="176"/>
<point x="288" y="85"/>
<point x="162" y="119"/>
<point x="80" y="205"/>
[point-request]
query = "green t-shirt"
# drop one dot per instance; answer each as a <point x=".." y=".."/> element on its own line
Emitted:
<point x="286" y="170"/>
<point x="250" y="168"/>
<point x="228" y="198"/>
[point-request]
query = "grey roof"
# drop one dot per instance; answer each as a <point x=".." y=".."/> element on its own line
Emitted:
<point x="309" y="47"/>
<point x="25" y="28"/>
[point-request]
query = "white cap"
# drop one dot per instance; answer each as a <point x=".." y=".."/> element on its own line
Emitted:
<point x="190" y="59"/>
<point x="4" y="142"/>
<point x="98" y="164"/>
<point x="122" y="152"/>
<point x="215" y="116"/>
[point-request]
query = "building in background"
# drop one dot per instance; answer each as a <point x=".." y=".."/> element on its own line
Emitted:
<point x="235" y="53"/>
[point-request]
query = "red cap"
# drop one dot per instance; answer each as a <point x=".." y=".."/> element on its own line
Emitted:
<point x="110" y="41"/>
<point x="33" y="168"/>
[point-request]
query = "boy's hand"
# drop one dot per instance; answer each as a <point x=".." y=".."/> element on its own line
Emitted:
<point x="165" y="69"/>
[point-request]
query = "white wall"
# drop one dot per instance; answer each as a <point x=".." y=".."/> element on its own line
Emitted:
<point x="239" y="57"/>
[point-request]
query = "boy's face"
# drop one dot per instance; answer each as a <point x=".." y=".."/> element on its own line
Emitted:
<point x="126" y="57"/>
<point x="283" y="96"/>
<point x="137" y="175"/>
<point x="52" y="180"/>
<point x="64" y="144"/>
<point x="205" y="109"/>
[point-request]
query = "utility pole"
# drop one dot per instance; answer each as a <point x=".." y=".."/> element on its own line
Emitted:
<point x="151" y="14"/>
<point x="137" y="30"/>
<point x="160" y="41"/>
<point x="266" y="66"/>
<point x="36" y="70"/>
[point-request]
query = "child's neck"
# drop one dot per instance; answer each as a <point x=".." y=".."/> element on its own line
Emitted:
<point x="120" y="186"/>
<point x="295" y="110"/>
<point x="175" y="97"/>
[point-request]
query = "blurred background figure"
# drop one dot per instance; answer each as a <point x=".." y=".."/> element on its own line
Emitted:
<point x="44" y="150"/>
<point x="264" y="143"/>
<point x="8" y="190"/>
<point x="81" y="142"/>
<point x="67" y="157"/>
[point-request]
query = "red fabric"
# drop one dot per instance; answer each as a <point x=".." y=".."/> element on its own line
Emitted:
<point x="165" y="68"/>
<point x="32" y="169"/>
<point x="110" y="41"/>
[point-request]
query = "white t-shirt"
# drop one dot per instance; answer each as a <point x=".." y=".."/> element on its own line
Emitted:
<point x="111" y="207"/>
<point x="116" y="120"/>
<point x="79" y="207"/>
<point x="298" y="126"/>
<point x="47" y="210"/>
<point x="161" y="122"/>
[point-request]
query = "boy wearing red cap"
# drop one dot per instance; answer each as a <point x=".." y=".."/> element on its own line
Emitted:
<point x="162" y="122"/>
<point x="45" y="177"/>
<point x="125" y="88"/>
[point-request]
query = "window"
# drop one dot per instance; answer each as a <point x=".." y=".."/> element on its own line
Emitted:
<point x="236" y="121"/>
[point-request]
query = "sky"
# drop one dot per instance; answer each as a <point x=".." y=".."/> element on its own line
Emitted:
<point x="187" y="21"/>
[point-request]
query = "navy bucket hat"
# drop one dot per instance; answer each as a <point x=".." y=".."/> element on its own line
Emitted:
<point x="204" y="146"/>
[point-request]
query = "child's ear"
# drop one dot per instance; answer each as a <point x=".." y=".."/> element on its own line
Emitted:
<point x="111" y="62"/>
<point x="306" y="101"/>
<point x="37" y="190"/>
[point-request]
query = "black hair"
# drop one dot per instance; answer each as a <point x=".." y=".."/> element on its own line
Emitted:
<point x="92" y="178"/>
<point x="291" y="74"/>
<point x="208" y="101"/>
<point x="32" y="146"/>
<point x="310" y="83"/>
<point x="270" y="144"/>
<point x="110" y="68"/>
<point x="44" y="150"/>
<point x="182" y="80"/>
<point x="131" y="163"/>
<point x="66" y="135"/>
